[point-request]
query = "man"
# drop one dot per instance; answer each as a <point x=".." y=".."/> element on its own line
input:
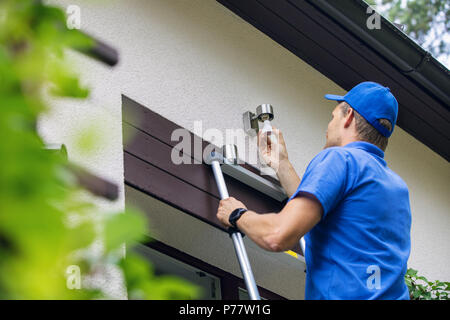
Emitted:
<point x="352" y="208"/>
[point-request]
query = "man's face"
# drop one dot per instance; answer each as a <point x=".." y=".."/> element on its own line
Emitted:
<point x="333" y="134"/>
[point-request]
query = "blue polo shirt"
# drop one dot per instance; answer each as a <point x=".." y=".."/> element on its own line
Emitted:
<point x="360" y="248"/>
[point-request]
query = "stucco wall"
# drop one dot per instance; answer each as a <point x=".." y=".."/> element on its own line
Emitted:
<point x="195" y="60"/>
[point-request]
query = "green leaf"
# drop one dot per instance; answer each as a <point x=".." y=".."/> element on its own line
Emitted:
<point x="447" y="288"/>
<point x="66" y="85"/>
<point x="411" y="272"/>
<point x="422" y="278"/>
<point x="172" y="288"/>
<point x="77" y="40"/>
<point x="142" y="284"/>
<point x="136" y="271"/>
<point x="124" y="228"/>
<point x="81" y="236"/>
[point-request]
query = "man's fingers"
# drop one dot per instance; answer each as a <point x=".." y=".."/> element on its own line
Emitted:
<point x="279" y="135"/>
<point x="263" y="140"/>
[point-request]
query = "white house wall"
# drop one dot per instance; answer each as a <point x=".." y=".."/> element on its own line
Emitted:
<point x="195" y="60"/>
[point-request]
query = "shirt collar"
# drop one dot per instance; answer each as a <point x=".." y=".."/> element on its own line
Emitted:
<point x="366" y="146"/>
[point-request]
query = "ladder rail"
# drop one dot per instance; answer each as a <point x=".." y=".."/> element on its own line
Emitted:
<point x="238" y="242"/>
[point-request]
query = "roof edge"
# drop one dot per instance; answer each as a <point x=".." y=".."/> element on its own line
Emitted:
<point x="393" y="44"/>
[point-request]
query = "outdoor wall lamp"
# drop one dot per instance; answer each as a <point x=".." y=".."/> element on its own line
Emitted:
<point x="264" y="113"/>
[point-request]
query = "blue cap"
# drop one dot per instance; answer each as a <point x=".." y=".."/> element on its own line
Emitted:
<point x="372" y="101"/>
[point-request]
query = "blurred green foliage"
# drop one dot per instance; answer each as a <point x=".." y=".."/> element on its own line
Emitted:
<point x="45" y="221"/>
<point x="422" y="289"/>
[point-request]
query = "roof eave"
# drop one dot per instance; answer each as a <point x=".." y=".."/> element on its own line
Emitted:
<point x="393" y="44"/>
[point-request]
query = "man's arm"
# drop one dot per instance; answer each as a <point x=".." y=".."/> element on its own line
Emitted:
<point x="289" y="179"/>
<point x="272" y="231"/>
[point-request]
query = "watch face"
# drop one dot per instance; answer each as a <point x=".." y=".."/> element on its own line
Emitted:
<point x="234" y="216"/>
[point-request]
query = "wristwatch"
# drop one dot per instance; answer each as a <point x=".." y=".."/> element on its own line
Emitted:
<point x="235" y="215"/>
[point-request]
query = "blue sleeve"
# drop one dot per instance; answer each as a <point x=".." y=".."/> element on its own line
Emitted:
<point x="326" y="178"/>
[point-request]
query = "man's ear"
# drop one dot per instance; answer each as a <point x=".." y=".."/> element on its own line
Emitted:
<point x="349" y="117"/>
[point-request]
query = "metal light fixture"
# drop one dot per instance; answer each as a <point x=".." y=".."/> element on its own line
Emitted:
<point x="264" y="112"/>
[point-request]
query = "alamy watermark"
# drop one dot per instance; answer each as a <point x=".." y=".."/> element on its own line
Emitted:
<point x="374" y="280"/>
<point x="73" y="17"/>
<point x="189" y="150"/>
<point x="73" y="277"/>
<point x="374" y="20"/>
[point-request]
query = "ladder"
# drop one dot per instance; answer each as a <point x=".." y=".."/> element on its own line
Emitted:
<point x="235" y="235"/>
<point x="215" y="159"/>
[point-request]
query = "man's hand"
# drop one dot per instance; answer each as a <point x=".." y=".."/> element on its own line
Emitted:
<point x="276" y="156"/>
<point x="272" y="153"/>
<point x="226" y="207"/>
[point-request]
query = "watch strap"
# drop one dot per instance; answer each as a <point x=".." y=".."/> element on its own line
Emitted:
<point x="235" y="215"/>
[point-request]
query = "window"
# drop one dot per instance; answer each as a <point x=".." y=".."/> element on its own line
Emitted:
<point x="216" y="283"/>
<point x="166" y="265"/>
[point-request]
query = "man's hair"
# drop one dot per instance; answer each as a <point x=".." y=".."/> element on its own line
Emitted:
<point x="367" y="132"/>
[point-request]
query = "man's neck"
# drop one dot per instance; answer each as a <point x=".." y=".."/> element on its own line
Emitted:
<point x="345" y="142"/>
